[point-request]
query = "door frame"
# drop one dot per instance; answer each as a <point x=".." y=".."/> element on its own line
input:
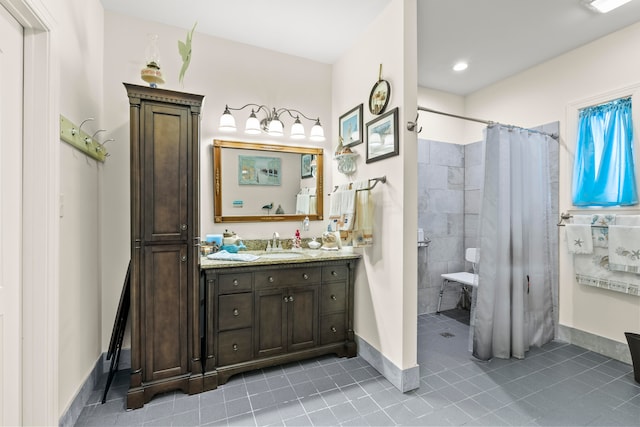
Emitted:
<point x="40" y="206"/>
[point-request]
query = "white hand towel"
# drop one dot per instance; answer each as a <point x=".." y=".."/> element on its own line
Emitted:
<point x="600" y="229"/>
<point x="624" y="248"/>
<point x="348" y="210"/>
<point x="363" y="224"/>
<point x="302" y="204"/>
<point x="579" y="239"/>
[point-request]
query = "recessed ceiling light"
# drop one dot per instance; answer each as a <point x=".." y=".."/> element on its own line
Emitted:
<point x="460" y="66"/>
<point x="604" y="6"/>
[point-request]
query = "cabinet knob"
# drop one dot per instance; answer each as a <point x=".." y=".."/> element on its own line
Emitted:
<point x="333" y="297"/>
<point x="235" y="347"/>
<point x="271" y="279"/>
<point x="183" y="227"/>
<point x="333" y="329"/>
<point x="236" y="312"/>
<point x="285" y="299"/>
<point x="235" y="282"/>
<point x="305" y="276"/>
<point x="290" y="299"/>
<point x="334" y="273"/>
<point x="184" y="258"/>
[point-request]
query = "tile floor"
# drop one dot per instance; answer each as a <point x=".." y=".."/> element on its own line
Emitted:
<point x="557" y="385"/>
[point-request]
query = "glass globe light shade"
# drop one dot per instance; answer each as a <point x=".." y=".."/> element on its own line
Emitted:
<point x="297" y="130"/>
<point x="317" y="133"/>
<point x="227" y="122"/>
<point x="252" y="127"/>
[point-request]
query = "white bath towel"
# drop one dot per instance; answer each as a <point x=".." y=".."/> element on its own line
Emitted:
<point x="632" y="220"/>
<point x="624" y="248"/>
<point x="579" y="240"/>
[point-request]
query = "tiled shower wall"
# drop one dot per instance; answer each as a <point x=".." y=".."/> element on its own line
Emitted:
<point x="449" y="196"/>
<point x="441" y="178"/>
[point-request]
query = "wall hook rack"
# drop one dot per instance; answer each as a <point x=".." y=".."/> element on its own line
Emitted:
<point x="75" y="136"/>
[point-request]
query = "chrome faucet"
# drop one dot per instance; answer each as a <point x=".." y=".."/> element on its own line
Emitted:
<point x="276" y="241"/>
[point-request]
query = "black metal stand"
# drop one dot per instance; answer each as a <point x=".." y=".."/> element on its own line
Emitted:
<point x="115" y="345"/>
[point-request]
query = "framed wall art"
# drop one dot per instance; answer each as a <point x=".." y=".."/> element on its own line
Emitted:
<point x="258" y="170"/>
<point x="350" y="127"/>
<point x="382" y="136"/>
<point x="306" y="166"/>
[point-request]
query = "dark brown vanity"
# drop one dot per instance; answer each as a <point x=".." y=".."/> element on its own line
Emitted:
<point x="195" y="322"/>
<point x="265" y="313"/>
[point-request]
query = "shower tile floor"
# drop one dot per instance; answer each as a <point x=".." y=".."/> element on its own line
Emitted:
<point x="557" y="385"/>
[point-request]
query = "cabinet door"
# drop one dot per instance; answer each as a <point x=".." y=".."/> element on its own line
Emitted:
<point x="302" y="311"/>
<point x="271" y="322"/>
<point x="165" y="187"/>
<point x="165" y="330"/>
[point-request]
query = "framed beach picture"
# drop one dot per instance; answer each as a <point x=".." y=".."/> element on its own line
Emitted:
<point x="382" y="136"/>
<point x="259" y="170"/>
<point x="350" y="127"/>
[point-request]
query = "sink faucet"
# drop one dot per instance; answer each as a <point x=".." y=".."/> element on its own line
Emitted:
<point x="276" y="240"/>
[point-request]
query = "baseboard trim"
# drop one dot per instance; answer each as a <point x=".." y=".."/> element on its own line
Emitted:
<point x="101" y="367"/>
<point x="71" y="415"/>
<point x="404" y="380"/>
<point x="601" y="345"/>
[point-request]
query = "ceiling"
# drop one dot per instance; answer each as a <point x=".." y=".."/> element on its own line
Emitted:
<point x="498" y="38"/>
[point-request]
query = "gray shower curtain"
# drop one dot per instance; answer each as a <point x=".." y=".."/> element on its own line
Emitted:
<point x="514" y="307"/>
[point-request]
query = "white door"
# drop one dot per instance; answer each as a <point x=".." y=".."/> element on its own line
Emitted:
<point x="11" y="83"/>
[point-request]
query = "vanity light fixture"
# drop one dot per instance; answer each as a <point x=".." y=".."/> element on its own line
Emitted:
<point x="604" y="6"/>
<point x="271" y="123"/>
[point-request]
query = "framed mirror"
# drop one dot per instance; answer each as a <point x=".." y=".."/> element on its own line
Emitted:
<point x="266" y="182"/>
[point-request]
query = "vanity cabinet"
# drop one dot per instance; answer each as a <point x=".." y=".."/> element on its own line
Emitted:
<point x="260" y="316"/>
<point x="165" y="259"/>
<point x="286" y="319"/>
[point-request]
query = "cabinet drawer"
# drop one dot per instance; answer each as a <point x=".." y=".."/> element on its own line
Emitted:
<point x="291" y="276"/>
<point x="230" y="283"/>
<point x="335" y="272"/>
<point x="332" y="328"/>
<point x="333" y="297"/>
<point x="235" y="311"/>
<point x="234" y="346"/>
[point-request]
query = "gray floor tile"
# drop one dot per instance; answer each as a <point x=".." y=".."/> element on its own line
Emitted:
<point x="291" y="410"/>
<point x="268" y="416"/>
<point x="558" y="384"/>
<point x="323" y="417"/>
<point x="302" y="420"/>
<point x="211" y="413"/>
<point x="379" y="418"/>
<point x="344" y="412"/>
<point x="262" y="400"/>
<point x="238" y="407"/>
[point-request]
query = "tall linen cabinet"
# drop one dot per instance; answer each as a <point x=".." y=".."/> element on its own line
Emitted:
<point x="165" y="224"/>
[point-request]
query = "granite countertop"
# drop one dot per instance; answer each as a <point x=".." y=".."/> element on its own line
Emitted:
<point x="280" y="257"/>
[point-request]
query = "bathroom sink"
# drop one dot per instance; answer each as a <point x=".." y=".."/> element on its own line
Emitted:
<point x="281" y="255"/>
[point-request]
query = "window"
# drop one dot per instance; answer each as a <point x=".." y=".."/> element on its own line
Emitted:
<point x="603" y="172"/>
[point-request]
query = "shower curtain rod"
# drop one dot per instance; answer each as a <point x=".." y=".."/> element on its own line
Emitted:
<point x="486" y="122"/>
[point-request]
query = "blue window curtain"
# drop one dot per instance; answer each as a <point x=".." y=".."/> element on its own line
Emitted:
<point x="603" y="172"/>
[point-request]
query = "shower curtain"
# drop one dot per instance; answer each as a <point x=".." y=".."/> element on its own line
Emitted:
<point x="514" y="307"/>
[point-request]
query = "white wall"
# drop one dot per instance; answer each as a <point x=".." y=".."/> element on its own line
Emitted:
<point x="226" y="73"/>
<point x="386" y="283"/>
<point x="81" y="70"/>
<point x="437" y="127"/>
<point x="542" y="95"/>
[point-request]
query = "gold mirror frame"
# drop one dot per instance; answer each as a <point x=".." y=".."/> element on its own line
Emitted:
<point x="218" y="145"/>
